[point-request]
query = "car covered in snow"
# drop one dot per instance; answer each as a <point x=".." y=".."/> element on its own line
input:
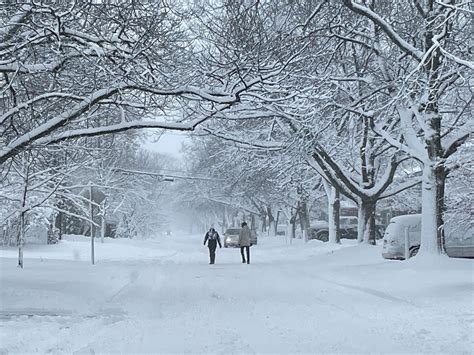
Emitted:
<point x="319" y="230"/>
<point x="394" y="236"/>
<point x="231" y="237"/>
<point x="459" y="238"/>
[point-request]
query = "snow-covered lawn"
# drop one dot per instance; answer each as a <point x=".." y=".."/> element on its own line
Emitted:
<point x="162" y="297"/>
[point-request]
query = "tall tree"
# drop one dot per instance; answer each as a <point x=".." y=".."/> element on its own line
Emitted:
<point x="85" y="69"/>
<point x="432" y="67"/>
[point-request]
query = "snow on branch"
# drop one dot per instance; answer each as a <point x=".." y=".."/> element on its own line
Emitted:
<point x="458" y="60"/>
<point x="121" y="127"/>
<point x="463" y="133"/>
<point x="23" y="141"/>
<point x="30" y="68"/>
<point x="8" y="30"/>
<point x="401" y="187"/>
<point x="267" y="145"/>
<point x="26" y="104"/>
<point x="386" y="27"/>
<point x="46" y="130"/>
<point x="458" y="7"/>
<point x="335" y="174"/>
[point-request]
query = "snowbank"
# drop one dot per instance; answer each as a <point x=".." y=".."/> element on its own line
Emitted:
<point x="161" y="296"/>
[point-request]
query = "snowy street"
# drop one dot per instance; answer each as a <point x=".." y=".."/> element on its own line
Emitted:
<point x="162" y="297"/>
<point x="340" y="133"/>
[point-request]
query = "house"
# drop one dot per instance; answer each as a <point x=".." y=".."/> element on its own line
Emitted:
<point x="39" y="228"/>
<point x="70" y="222"/>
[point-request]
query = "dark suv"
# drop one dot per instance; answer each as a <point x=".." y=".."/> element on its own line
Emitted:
<point x="348" y="227"/>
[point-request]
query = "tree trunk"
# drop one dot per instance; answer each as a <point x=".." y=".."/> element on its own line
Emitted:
<point x="235" y="219"/>
<point x="334" y="211"/>
<point x="304" y="220"/>
<point x="92" y="226"/>
<point x="434" y="172"/>
<point x="366" y="221"/>
<point x="432" y="199"/>
<point x="360" y="222"/>
<point x="21" y="240"/>
<point x="21" y="234"/>
<point x="287" y="213"/>
<point x="272" y="229"/>
<point x="271" y="223"/>
<point x="102" y="228"/>
<point x="224" y="220"/>
<point x="441" y="175"/>
<point x="292" y="225"/>
<point x="58" y="223"/>
<point x="300" y="219"/>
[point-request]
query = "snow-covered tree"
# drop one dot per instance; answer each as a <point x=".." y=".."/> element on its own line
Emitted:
<point x="86" y="68"/>
<point x="427" y="65"/>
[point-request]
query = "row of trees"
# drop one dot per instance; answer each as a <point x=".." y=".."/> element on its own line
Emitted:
<point x="47" y="191"/>
<point x="377" y="100"/>
<point x="72" y="71"/>
<point x="361" y="98"/>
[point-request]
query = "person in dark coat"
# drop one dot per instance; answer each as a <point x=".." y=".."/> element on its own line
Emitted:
<point x="212" y="238"/>
<point x="244" y="242"/>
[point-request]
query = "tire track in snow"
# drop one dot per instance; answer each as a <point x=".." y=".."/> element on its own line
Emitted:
<point x="133" y="277"/>
<point x="370" y="291"/>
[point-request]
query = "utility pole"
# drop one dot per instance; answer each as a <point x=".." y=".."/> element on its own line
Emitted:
<point x="92" y="224"/>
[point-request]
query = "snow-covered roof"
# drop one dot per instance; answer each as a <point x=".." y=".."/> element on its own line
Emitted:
<point x="407" y="218"/>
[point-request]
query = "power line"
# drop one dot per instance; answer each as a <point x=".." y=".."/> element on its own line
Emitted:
<point x="167" y="176"/>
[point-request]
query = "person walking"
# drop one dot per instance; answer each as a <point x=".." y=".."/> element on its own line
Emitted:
<point x="244" y="242"/>
<point x="212" y="238"/>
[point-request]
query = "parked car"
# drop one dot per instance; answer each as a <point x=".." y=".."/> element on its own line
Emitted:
<point x="459" y="234"/>
<point x="319" y="230"/>
<point x="348" y="227"/>
<point x="281" y="229"/>
<point x="231" y="237"/>
<point x="253" y="237"/>
<point x="459" y="241"/>
<point x="394" y="236"/>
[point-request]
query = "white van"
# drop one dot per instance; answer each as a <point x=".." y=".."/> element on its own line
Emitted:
<point x="394" y="236"/>
<point x="459" y="237"/>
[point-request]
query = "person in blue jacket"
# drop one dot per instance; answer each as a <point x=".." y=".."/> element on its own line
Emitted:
<point x="212" y="238"/>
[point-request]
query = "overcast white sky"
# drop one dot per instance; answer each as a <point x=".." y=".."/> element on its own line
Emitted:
<point x="169" y="142"/>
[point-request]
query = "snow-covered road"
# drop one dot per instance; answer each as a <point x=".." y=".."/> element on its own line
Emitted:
<point x="162" y="297"/>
